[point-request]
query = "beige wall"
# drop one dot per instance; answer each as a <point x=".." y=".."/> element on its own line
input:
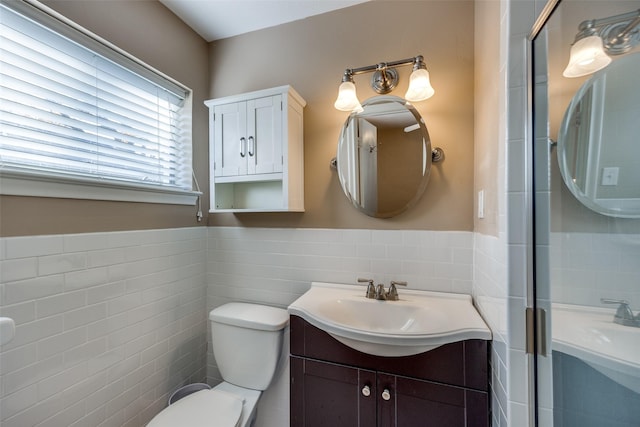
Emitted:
<point x="312" y="54"/>
<point x="488" y="107"/>
<point x="149" y="31"/>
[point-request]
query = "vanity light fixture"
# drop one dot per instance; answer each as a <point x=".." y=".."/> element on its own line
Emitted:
<point x="384" y="80"/>
<point x="347" y="98"/>
<point x="598" y="39"/>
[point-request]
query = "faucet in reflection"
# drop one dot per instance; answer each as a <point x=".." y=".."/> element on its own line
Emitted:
<point x="624" y="316"/>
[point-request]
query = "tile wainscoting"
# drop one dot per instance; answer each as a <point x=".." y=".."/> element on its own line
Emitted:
<point x="107" y="324"/>
<point x="583" y="264"/>
<point x="275" y="266"/>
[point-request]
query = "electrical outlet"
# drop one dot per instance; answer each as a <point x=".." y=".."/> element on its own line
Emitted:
<point x="610" y="176"/>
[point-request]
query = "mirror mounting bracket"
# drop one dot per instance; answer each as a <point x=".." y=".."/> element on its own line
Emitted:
<point x="333" y="163"/>
<point x="437" y="155"/>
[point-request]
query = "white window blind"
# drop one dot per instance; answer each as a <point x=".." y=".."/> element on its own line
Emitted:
<point x="72" y="106"/>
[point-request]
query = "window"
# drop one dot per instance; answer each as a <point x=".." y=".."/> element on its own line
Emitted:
<point x="76" y="111"/>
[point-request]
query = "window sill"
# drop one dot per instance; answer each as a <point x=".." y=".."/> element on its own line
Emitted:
<point x="16" y="183"/>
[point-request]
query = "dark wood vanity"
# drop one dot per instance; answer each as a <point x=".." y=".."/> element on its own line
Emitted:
<point x="333" y="385"/>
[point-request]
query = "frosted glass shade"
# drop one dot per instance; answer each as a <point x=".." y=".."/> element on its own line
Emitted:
<point x="419" y="86"/>
<point x="347" y="98"/>
<point x="587" y="56"/>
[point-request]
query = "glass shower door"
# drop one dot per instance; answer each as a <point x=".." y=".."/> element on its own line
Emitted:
<point x="586" y="162"/>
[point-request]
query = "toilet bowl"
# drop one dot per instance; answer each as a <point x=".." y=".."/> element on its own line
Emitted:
<point x="223" y="406"/>
<point x="247" y="341"/>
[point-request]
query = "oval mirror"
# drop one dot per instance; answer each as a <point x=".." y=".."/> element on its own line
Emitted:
<point x="384" y="157"/>
<point x="599" y="141"/>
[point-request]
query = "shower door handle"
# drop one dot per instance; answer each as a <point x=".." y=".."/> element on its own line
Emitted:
<point x="536" y="329"/>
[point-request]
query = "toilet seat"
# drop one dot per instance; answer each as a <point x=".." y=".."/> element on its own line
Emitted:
<point x="204" y="408"/>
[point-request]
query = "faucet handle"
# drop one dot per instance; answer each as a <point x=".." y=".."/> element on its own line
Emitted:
<point x="371" y="290"/>
<point x="393" y="292"/>
<point x="623" y="312"/>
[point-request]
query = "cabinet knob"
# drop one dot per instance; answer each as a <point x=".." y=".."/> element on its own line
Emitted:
<point x="366" y="391"/>
<point x="386" y="395"/>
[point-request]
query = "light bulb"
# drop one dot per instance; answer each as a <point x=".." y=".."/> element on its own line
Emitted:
<point x="347" y="99"/>
<point x="419" y="86"/>
<point x="587" y="56"/>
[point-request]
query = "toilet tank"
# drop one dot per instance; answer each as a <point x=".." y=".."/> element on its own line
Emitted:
<point x="247" y="341"/>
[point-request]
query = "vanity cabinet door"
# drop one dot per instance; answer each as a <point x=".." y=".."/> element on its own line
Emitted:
<point x="387" y="403"/>
<point x="330" y="395"/>
<point x="410" y="402"/>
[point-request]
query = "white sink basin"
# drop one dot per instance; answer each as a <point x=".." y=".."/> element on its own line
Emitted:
<point x="590" y="334"/>
<point x="420" y="321"/>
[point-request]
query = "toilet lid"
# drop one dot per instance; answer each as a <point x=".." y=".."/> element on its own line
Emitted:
<point x="204" y="408"/>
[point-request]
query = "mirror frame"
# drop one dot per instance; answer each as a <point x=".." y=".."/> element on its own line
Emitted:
<point x="426" y="148"/>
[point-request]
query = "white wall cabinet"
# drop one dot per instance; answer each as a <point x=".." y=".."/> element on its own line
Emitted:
<point x="256" y="151"/>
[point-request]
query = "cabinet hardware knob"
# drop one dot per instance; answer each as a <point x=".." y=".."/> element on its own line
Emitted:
<point x="366" y="391"/>
<point x="386" y="395"/>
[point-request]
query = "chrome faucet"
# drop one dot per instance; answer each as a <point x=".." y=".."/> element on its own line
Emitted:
<point x="379" y="293"/>
<point x="624" y="316"/>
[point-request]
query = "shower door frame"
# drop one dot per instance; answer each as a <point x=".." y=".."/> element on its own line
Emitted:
<point x="538" y="335"/>
<point x="542" y="405"/>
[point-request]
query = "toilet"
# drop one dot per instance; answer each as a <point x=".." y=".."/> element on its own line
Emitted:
<point x="247" y="342"/>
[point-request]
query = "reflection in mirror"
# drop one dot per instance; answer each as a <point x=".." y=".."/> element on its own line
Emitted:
<point x="600" y="125"/>
<point x="384" y="157"/>
<point x="582" y="256"/>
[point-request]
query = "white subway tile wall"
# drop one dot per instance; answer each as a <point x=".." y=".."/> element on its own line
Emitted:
<point x="275" y="266"/>
<point x="492" y="273"/>
<point x="107" y="324"/>
<point x="490" y="297"/>
<point x="588" y="266"/>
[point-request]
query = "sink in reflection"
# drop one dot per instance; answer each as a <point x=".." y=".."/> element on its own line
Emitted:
<point x="419" y="321"/>
<point x="589" y="333"/>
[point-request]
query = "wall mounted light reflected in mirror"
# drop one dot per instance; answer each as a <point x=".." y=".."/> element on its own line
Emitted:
<point x="383" y="81"/>
<point x="598" y="39"/>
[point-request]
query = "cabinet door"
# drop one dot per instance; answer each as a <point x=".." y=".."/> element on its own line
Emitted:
<point x="264" y="135"/>
<point x="230" y="140"/>
<point x="328" y="395"/>
<point x="418" y="403"/>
